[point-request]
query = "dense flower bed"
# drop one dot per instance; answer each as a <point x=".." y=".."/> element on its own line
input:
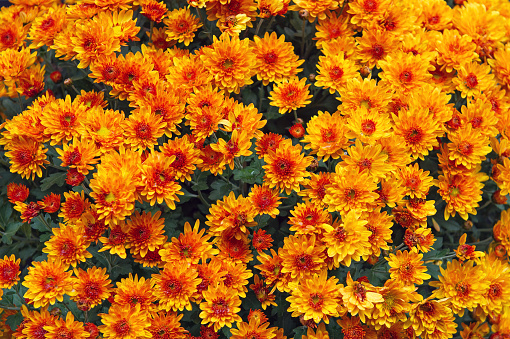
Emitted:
<point x="255" y="169"/>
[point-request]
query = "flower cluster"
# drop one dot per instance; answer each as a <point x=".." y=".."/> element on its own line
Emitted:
<point x="181" y="208"/>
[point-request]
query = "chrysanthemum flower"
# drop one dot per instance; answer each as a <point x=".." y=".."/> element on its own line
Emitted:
<point x="315" y="188"/>
<point x="314" y="9"/>
<point x="462" y="192"/>
<point x="468" y="148"/>
<point x="421" y="238"/>
<point x="255" y="329"/>
<point x="13" y="33"/>
<point x="26" y="156"/>
<point x="245" y="118"/>
<point x="17" y="192"/>
<point x="347" y="240"/>
<point x="419" y="130"/>
<point x="436" y="15"/>
<point x="47" y="282"/>
<point x="331" y="27"/>
<point x="174" y="286"/>
<point x="276" y="58"/>
<point x="218" y="9"/>
<point x="151" y="258"/>
<point x="271" y="269"/>
<point x="212" y="161"/>
<point x="204" y="122"/>
<point x="261" y="241"/>
<point x="220" y="307"/>
<point x="233" y="24"/>
<point x="191" y="246"/>
<point x="46" y="26"/>
<point x="28" y="211"/>
<point x="366" y="11"/>
<point x="188" y="72"/>
<point x="345" y="44"/>
<point x="232" y="215"/>
<point x="9" y="271"/>
<point x="480" y="115"/>
<point x="154" y="10"/>
<point x="31" y="81"/>
<point x="267" y="143"/>
<point x="379" y="223"/>
<point x="158" y="180"/>
<point x="13" y="62"/>
<point x="454" y="50"/>
<point x="463" y="284"/>
<point x="269" y="8"/>
<point x="366" y="158"/>
<point x="326" y="135"/>
<point x="166" y="325"/>
<point x="143" y="128"/>
<point x="62" y="118"/>
<point x="316" y="298"/>
<point x="407" y="267"/>
<point x="231" y="62"/>
<point x="290" y="94"/>
<point x="286" y="167"/>
<point x="351" y="327"/>
<point x="374" y="46"/>
<point x="498" y="275"/>
<point x="91" y="39"/>
<point x="432" y="318"/>
<point x="81" y="155"/>
<point x="92" y="286"/>
<point x="67" y="245"/>
<point x="34" y="323"/>
<point x="415" y="181"/>
<point x="181" y="25"/>
<point x="116" y="241"/>
<point x="473" y="78"/>
<point x="390" y="192"/>
<point x="350" y="191"/>
<point x="334" y="71"/>
<point x="74" y="206"/>
<point x="210" y="273"/>
<point x="302" y="256"/>
<point x="68" y="329"/>
<point x="238" y="145"/>
<point x="368" y="126"/>
<point x="132" y="291"/>
<point x="265" y="200"/>
<point x="235" y="277"/>
<point x="103" y="127"/>
<point x="125" y="322"/>
<point x="145" y="232"/>
<point x="395" y="305"/>
<point x="309" y="218"/>
<point x="360" y="297"/>
<point x="404" y="72"/>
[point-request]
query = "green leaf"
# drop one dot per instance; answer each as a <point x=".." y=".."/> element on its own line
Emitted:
<point x="14" y="320"/>
<point x="251" y="174"/>
<point x="54" y="179"/>
<point x="220" y="189"/>
<point x="5" y="214"/>
<point x="11" y="230"/>
<point x="299" y="332"/>
<point x="37" y="224"/>
<point x="200" y="186"/>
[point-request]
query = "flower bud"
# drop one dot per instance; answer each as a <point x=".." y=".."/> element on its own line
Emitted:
<point x="467" y="225"/>
<point x="56" y="77"/>
<point x="498" y="198"/>
<point x="68" y="82"/>
<point x="311" y="77"/>
<point x="303" y="14"/>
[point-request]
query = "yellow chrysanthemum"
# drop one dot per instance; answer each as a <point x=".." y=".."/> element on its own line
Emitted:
<point x="125" y="322"/>
<point x="366" y="158"/>
<point x="473" y="78"/>
<point x="67" y="245"/>
<point x="368" y="126"/>
<point x="302" y="256"/>
<point x="220" y="307"/>
<point x="334" y="71"/>
<point x="407" y="267"/>
<point x="181" y="25"/>
<point x="404" y="72"/>
<point x="360" y="297"/>
<point x="61" y="119"/>
<point x="316" y="298"/>
<point x="326" y="135"/>
<point x="27" y="157"/>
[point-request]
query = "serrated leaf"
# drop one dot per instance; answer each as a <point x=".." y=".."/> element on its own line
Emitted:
<point x="220" y="189"/>
<point x="5" y="215"/>
<point x="251" y="174"/>
<point x="54" y="179"/>
<point x="14" y="320"/>
<point x="11" y="230"/>
<point x="299" y="332"/>
<point x="37" y="224"/>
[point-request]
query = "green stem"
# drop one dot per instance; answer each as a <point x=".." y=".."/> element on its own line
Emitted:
<point x="201" y="197"/>
<point x="295" y="116"/>
<point x="48" y="227"/>
<point x="303" y="38"/>
<point x="151" y="28"/>
<point x="20" y="101"/>
<point x="269" y="25"/>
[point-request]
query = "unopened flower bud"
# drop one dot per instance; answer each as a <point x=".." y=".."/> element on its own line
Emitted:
<point x="311" y="77"/>
<point x="68" y="82"/>
<point x="365" y="71"/>
<point x="500" y="251"/>
<point x="468" y="224"/>
<point x="56" y="312"/>
<point x="303" y="14"/>
<point x="498" y="198"/>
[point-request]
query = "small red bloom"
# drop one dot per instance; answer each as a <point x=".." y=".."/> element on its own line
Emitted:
<point x="297" y="131"/>
<point x="74" y="178"/>
<point x="50" y="203"/>
<point x="56" y="77"/>
<point x="261" y="241"/>
<point x="17" y="192"/>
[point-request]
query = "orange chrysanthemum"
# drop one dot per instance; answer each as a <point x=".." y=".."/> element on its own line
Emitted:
<point x="81" y="154"/>
<point x="47" y="282"/>
<point x="276" y="57"/>
<point x="360" y="297"/>
<point x="232" y="215"/>
<point x="286" y="167"/>
<point x="326" y="135"/>
<point x="231" y="62"/>
<point x="407" y="267"/>
<point x="404" y="72"/>
<point x="91" y="286"/>
<point x="309" y="218"/>
<point x="69" y="328"/>
<point x="132" y="291"/>
<point x="220" y="307"/>
<point x="145" y="232"/>
<point x="26" y="156"/>
<point x="290" y="94"/>
<point x="74" y="206"/>
<point x="174" y="286"/>
<point x="124" y="322"/>
<point x="302" y="256"/>
<point x="9" y="271"/>
<point x="67" y="245"/>
<point x="17" y="192"/>
<point x="191" y="246"/>
<point x="186" y="156"/>
<point x="181" y="25"/>
<point x="167" y="325"/>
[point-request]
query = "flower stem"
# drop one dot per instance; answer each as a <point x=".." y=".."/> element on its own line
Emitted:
<point x="258" y="26"/>
<point x="44" y="222"/>
<point x="303" y="38"/>
<point x="295" y="116"/>
<point x="151" y="27"/>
